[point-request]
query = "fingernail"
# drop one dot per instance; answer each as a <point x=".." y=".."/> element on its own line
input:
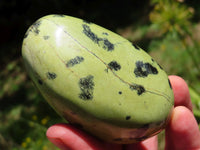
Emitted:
<point x="59" y="143"/>
<point x="54" y="134"/>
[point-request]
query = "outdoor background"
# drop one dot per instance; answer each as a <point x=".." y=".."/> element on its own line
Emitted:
<point x="169" y="30"/>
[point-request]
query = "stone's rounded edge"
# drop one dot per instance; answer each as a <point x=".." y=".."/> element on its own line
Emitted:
<point x="99" y="128"/>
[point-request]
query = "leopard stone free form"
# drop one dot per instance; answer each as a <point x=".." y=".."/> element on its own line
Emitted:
<point x="97" y="79"/>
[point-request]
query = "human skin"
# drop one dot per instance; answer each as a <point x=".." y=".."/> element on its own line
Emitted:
<point x="182" y="132"/>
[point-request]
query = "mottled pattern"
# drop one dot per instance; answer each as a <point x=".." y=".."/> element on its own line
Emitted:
<point x="157" y="63"/>
<point x="114" y="65"/>
<point x="66" y="57"/>
<point x="75" y="61"/>
<point x="51" y="75"/>
<point x="144" y="69"/>
<point x="46" y="37"/>
<point x="136" y="47"/>
<point x="105" y="33"/>
<point x="139" y="88"/>
<point x="34" y="28"/>
<point x="103" y="42"/>
<point x="86" y="85"/>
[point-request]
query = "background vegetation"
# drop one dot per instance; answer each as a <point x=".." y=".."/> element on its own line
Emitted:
<point x="168" y="29"/>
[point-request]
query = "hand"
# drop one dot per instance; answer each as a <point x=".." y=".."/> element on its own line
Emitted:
<point x="182" y="132"/>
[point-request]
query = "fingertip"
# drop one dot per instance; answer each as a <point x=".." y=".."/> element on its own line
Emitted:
<point x="54" y="133"/>
<point x="181" y="92"/>
<point x="182" y="131"/>
<point x="150" y="144"/>
<point x="182" y="119"/>
<point x="66" y="137"/>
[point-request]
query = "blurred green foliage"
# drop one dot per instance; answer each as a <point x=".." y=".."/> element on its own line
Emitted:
<point x="177" y="43"/>
<point x="168" y="29"/>
<point x="171" y="16"/>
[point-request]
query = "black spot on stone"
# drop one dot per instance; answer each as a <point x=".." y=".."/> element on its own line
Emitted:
<point x="46" y="37"/>
<point x="105" y="33"/>
<point x="86" y="85"/>
<point x="120" y="92"/>
<point x="136" y="47"/>
<point x="169" y="84"/>
<point x="157" y="64"/>
<point x="128" y="117"/>
<point x="51" y="75"/>
<point x="114" y="65"/>
<point x="40" y="82"/>
<point x="139" y="88"/>
<point x="75" y="61"/>
<point x="107" y="45"/>
<point x="87" y="31"/>
<point x="102" y="42"/>
<point x="144" y="69"/>
<point x="35" y="27"/>
<point x="160" y="66"/>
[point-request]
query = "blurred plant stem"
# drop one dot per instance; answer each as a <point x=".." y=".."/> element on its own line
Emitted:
<point x="195" y="98"/>
<point x="174" y="17"/>
<point x="172" y="20"/>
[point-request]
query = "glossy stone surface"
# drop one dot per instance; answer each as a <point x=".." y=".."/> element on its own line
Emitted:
<point x="97" y="79"/>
